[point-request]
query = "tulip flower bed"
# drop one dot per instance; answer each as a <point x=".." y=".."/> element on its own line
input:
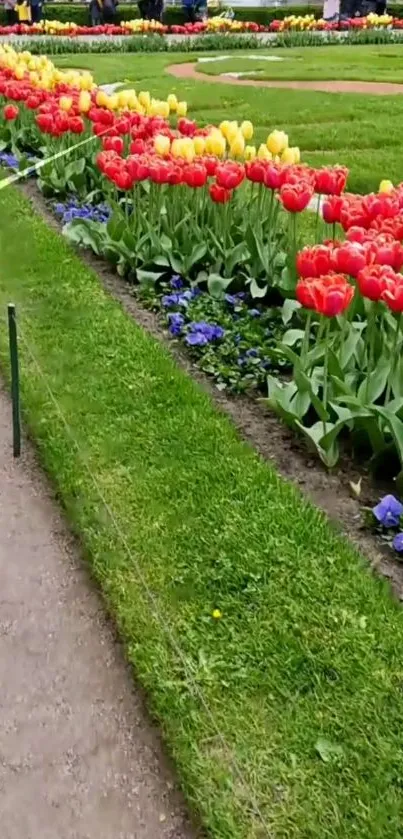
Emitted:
<point x="175" y="197"/>
<point x="219" y="24"/>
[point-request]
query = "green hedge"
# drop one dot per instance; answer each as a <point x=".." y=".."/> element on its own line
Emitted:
<point x="79" y="13"/>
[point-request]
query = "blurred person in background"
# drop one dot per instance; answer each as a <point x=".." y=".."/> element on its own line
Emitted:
<point x="9" y="8"/>
<point x="36" y="11"/>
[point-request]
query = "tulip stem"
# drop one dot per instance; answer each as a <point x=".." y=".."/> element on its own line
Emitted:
<point x="371" y="346"/>
<point x="394" y="357"/>
<point x="305" y="340"/>
<point x="325" y="371"/>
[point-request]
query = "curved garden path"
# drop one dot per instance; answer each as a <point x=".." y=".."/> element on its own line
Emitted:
<point x="188" y="71"/>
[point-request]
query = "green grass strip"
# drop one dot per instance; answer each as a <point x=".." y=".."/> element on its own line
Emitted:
<point x="309" y="647"/>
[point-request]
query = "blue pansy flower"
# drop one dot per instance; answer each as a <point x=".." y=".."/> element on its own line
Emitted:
<point x="254" y="313"/>
<point x="176" y="281"/>
<point x="252" y="353"/>
<point x="176" y="321"/>
<point x="169" y="300"/>
<point x="398" y="543"/>
<point x="196" y="339"/>
<point x="388" y="511"/>
<point x="231" y="299"/>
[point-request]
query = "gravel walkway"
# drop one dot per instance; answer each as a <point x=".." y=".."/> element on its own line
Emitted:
<point x="79" y="758"/>
<point x="189" y="71"/>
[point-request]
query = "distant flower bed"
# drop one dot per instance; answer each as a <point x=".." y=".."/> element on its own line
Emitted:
<point x="219" y="24"/>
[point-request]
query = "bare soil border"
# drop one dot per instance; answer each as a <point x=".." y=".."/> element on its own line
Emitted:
<point x="255" y="423"/>
<point x="188" y="71"/>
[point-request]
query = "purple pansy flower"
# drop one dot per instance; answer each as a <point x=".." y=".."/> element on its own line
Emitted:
<point x="231" y="299"/>
<point x="196" y="339"/>
<point x="252" y="353"/>
<point x="169" y="300"/>
<point x="176" y="282"/>
<point x="388" y="511"/>
<point x="176" y="321"/>
<point x="254" y="313"/>
<point x="398" y="543"/>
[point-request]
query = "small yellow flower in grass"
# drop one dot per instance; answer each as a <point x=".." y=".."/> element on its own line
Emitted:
<point x="277" y="141"/>
<point x="217" y="614"/>
<point x="182" y="109"/>
<point x="247" y="129"/>
<point x="386" y="186"/>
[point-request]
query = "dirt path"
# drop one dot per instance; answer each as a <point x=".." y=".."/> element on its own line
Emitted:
<point x="188" y="71"/>
<point x="79" y="758"/>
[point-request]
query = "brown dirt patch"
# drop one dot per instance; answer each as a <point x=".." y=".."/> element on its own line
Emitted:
<point x="188" y="71"/>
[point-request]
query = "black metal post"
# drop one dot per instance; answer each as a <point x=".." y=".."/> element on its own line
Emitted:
<point x="15" y="379"/>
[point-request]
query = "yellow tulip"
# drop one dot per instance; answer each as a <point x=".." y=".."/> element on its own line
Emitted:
<point x="132" y="101"/>
<point x="247" y="129"/>
<point x="65" y="103"/>
<point x="102" y="99"/>
<point x="162" y="144"/>
<point x="291" y="155"/>
<point x="232" y="131"/>
<point x="199" y="145"/>
<point x="223" y="126"/>
<point x="250" y="152"/>
<point x="163" y="109"/>
<point x="215" y="143"/>
<point x="144" y="99"/>
<point x="386" y="186"/>
<point x="277" y="141"/>
<point x="182" y="109"/>
<point x="172" y="102"/>
<point x="84" y="102"/>
<point x="263" y="153"/>
<point x="113" y="102"/>
<point x="19" y="73"/>
<point x="123" y="98"/>
<point x="176" y="147"/>
<point x="86" y="81"/>
<point x="237" y="146"/>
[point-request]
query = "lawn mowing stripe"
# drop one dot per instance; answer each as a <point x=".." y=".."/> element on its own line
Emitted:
<point x="309" y="645"/>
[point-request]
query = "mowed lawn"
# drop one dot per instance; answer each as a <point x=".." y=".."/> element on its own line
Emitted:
<point x="363" y="132"/>
<point x="284" y="713"/>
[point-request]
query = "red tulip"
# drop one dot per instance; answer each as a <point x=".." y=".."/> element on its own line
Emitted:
<point x="115" y="144"/>
<point x="76" y="125"/>
<point x="385" y="250"/>
<point x="219" y="194"/>
<point x="296" y="197"/>
<point x="373" y="280"/>
<point x="332" y="295"/>
<point x="210" y="162"/>
<point x="10" y="112"/>
<point x="383" y="205"/>
<point x="350" y="258"/>
<point x="272" y="176"/>
<point x="230" y="174"/>
<point x="304" y="292"/>
<point x="138" y="167"/>
<point x="314" y="262"/>
<point x="331" y="209"/>
<point x="359" y="235"/>
<point x="195" y="175"/>
<point x="331" y="180"/>
<point x="255" y="171"/>
<point x="393" y="294"/>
